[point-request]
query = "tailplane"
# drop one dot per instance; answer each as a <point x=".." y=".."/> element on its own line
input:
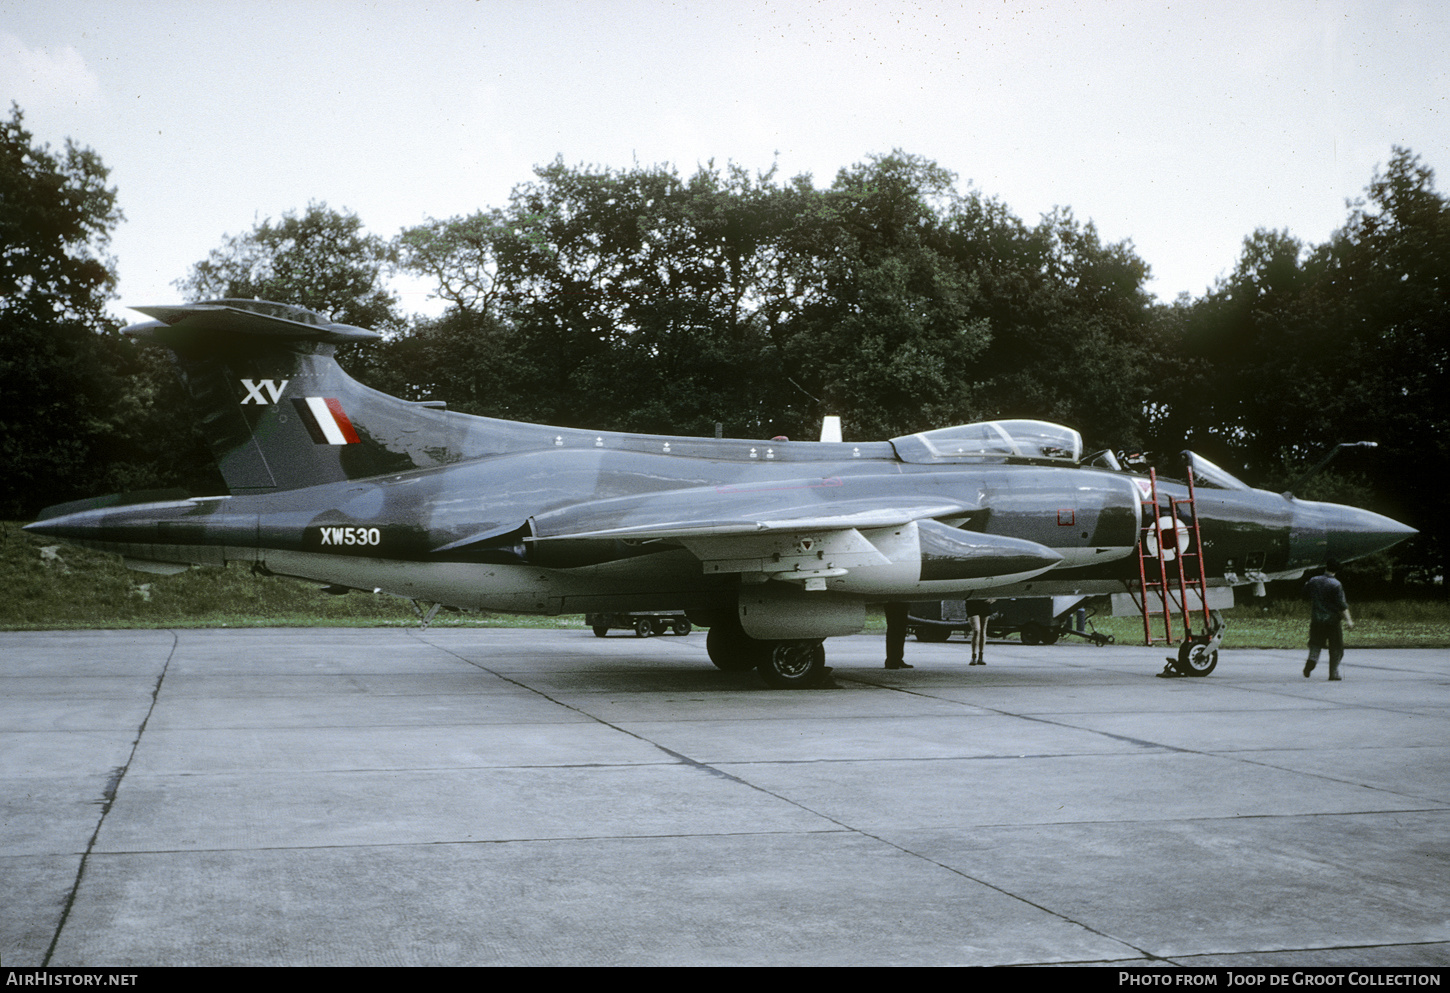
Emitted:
<point x="277" y="409"/>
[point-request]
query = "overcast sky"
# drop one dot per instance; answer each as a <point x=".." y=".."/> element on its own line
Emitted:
<point x="1180" y="126"/>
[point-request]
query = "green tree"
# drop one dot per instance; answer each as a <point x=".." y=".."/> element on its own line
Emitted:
<point x="472" y="361"/>
<point x="888" y="298"/>
<point x="1301" y="348"/>
<point x="70" y="417"/>
<point x="1072" y="326"/>
<point x="888" y="336"/>
<point x="1241" y="356"/>
<point x="625" y="299"/>
<point x="1379" y="372"/>
<point x="460" y="255"/>
<point x="323" y="260"/>
<point x="56" y="219"/>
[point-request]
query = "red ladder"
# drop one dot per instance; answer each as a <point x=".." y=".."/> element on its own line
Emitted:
<point x="1188" y="567"/>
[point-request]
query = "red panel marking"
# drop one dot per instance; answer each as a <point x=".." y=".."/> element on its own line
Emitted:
<point x="335" y="405"/>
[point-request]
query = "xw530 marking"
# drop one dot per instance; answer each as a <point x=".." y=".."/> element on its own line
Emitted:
<point x="351" y="536"/>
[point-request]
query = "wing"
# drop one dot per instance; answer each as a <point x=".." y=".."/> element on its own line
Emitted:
<point x="818" y="503"/>
<point x="804" y="530"/>
<point x="789" y="520"/>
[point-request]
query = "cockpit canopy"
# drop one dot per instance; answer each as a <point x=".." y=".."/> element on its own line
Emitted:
<point x="1042" y="441"/>
<point x="1205" y="473"/>
<point x="992" y="441"/>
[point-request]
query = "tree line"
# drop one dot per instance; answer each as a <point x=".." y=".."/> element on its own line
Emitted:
<point x="641" y="299"/>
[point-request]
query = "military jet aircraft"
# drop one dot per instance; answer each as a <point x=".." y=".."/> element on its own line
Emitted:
<point x="776" y="545"/>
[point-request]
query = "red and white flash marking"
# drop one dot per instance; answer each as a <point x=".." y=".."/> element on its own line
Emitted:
<point x="328" y="415"/>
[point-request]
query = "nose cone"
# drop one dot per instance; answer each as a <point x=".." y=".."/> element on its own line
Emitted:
<point x="114" y="518"/>
<point x="74" y="526"/>
<point x="1346" y="533"/>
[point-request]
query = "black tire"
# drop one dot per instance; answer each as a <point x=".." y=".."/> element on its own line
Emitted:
<point x="730" y="649"/>
<point x="644" y="627"/>
<point x="932" y="634"/>
<point x="600" y="630"/>
<point x="682" y="628"/>
<point x="1194" y="659"/>
<point x="791" y="665"/>
<point x="1032" y="634"/>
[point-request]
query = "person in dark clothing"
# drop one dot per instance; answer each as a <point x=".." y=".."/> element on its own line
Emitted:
<point x="896" y="636"/>
<point x="1328" y="608"/>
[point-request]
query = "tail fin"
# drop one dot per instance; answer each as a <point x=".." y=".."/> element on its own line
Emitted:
<point x="278" y="410"/>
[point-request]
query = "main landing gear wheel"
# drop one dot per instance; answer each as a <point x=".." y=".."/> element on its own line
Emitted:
<point x="792" y="665"/>
<point x="601" y="630"/>
<point x="1195" y="659"/>
<point x="730" y="648"/>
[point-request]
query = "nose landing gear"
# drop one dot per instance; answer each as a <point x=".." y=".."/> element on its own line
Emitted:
<point x="1198" y="654"/>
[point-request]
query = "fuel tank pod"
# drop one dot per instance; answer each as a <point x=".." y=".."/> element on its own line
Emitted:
<point x="927" y="557"/>
<point x="950" y="554"/>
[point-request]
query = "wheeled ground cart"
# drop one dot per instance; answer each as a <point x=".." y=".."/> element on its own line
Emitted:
<point x="644" y="623"/>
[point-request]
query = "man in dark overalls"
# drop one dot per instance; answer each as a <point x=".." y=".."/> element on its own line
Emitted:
<point x="1328" y="608"/>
